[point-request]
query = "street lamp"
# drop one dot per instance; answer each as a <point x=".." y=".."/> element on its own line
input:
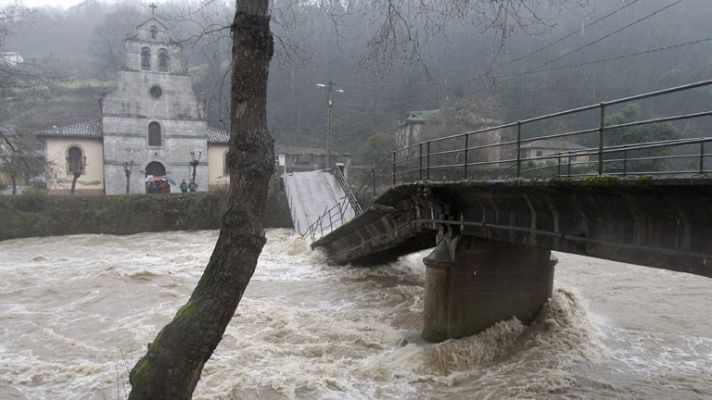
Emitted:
<point x="329" y="105"/>
<point x="127" y="170"/>
<point x="194" y="161"/>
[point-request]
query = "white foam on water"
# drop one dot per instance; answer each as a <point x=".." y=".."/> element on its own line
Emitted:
<point x="76" y="313"/>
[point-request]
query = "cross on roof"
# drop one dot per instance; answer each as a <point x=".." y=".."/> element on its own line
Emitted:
<point x="153" y="7"/>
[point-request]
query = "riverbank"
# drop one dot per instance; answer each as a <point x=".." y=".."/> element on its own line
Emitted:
<point x="39" y="214"/>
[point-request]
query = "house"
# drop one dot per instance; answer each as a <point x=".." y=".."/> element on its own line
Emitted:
<point x="422" y="126"/>
<point x="152" y="128"/>
<point x="410" y="131"/>
<point x="307" y="158"/>
<point x="549" y="150"/>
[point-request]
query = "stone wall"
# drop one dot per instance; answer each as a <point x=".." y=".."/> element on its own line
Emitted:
<point x="38" y="214"/>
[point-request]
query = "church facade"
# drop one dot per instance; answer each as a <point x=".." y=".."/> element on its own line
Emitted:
<point x="152" y="125"/>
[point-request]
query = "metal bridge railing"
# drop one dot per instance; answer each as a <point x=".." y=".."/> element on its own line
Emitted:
<point x="335" y="216"/>
<point x="505" y="151"/>
<point x="347" y="190"/>
<point x="327" y="221"/>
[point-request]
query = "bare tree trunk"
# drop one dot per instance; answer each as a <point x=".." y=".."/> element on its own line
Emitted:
<point x="173" y="363"/>
<point x="14" y="183"/>
<point x="74" y="183"/>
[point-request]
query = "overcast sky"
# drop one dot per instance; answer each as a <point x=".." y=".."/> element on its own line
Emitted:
<point x="55" y="3"/>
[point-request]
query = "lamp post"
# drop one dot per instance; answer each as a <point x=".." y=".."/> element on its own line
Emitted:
<point x="194" y="161"/>
<point x="329" y="105"/>
<point x="127" y="170"/>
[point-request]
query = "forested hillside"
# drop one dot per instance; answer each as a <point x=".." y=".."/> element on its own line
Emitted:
<point x="564" y="54"/>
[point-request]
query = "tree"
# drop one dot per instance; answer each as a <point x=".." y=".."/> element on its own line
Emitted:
<point x="107" y="40"/>
<point x="639" y="135"/>
<point x="20" y="158"/>
<point x="376" y="152"/>
<point x="171" y="367"/>
<point x="173" y="363"/>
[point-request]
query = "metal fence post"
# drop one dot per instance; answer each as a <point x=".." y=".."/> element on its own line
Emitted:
<point x="467" y="148"/>
<point x="519" y="148"/>
<point x="625" y="161"/>
<point x="394" y="168"/>
<point x="702" y="158"/>
<point x="558" y="168"/>
<point x="601" y="129"/>
<point x="569" y="171"/>
<point x="373" y="184"/>
<point x="420" y="161"/>
<point x="427" y="170"/>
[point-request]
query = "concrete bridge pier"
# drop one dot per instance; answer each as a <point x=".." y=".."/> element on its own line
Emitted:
<point x="471" y="283"/>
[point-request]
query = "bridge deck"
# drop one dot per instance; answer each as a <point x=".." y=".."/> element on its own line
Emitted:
<point x="657" y="223"/>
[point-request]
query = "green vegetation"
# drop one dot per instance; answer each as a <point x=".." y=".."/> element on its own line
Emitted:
<point x="377" y="152"/>
<point x="39" y="214"/>
<point x="601" y="181"/>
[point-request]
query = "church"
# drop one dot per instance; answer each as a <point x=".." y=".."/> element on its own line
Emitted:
<point x="152" y="134"/>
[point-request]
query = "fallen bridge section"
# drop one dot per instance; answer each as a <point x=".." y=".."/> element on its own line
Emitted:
<point x="310" y="194"/>
<point x="651" y="222"/>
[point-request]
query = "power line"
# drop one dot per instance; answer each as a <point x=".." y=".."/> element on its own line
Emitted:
<point x="568" y="35"/>
<point x="640" y="53"/>
<point x="606" y="36"/>
<point x="539" y="67"/>
<point x="568" y="66"/>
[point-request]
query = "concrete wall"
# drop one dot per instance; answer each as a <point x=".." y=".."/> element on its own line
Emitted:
<point x="217" y="178"/>
<point x="92" y="181"/>
<point x="30" y="215"/>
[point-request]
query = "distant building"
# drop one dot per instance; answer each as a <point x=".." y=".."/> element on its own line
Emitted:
<point x="421" y="126"/>
<point x="308" y="158"/>
<point x="411" y="130"/>
<point x="152" y="123"/>
<point x="11" y="58"/>
<point x="551" y="149"/>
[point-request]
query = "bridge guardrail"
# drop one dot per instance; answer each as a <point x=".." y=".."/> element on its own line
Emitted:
<point x="347" y="190"/>
<point x="594" y="149"/>
<point x="330" y="215"/>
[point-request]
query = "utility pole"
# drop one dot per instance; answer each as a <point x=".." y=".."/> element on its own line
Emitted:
<point x="128" y="165"/>
<point x="194" y="161"/>
<point x="329" y="106"/>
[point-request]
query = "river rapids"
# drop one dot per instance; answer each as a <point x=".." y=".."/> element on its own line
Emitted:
<point x="77" y="312"/>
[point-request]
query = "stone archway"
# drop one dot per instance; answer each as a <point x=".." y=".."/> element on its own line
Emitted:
<point x="155" y="168"/>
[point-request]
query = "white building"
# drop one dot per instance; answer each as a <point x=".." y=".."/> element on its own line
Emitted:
<point x="152" y="123"/>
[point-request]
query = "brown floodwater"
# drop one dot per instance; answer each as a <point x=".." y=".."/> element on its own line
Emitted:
<point x="76" y="312"/>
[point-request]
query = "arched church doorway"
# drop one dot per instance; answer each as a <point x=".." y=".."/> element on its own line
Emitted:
<point x="156" y="180"/>
<point x="155" y="168"/>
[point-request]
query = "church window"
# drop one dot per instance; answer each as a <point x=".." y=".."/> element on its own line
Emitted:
<point x="163" y="60"/>
<point x="154" y="134"/>
<point x="145" y="58"/>
<point x="154" y="32"/>
<point x="156" y="92"/>
<point x="226" y="164"/>
<point x="75" y="161"/>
